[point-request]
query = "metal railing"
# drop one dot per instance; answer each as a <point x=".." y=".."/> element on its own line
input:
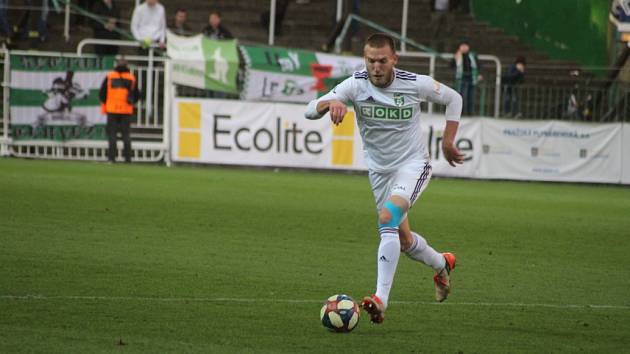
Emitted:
<point x="4" y="96"/>
<point x="150" y="132"/>
<point x="151" y="59"/>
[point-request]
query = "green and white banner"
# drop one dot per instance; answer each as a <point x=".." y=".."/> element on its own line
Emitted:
<point x="56" y="98"/>
<point x="203" y="63"/>
<point x="291" y="75"/>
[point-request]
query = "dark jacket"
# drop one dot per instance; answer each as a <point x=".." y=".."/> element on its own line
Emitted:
<point x="220" y="33"/>
<point x="181" y="31"/>
<point x="466" y="63"/>
<point x="513" y="76"/>
<point x="104" y="13"/>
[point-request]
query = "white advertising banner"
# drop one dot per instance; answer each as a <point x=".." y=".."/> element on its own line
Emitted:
<point x="625" y="154"/>
<point x="262" y="134"/>
<point x="277" y="134"/>
<point x="551" y="151"/>
<point x="468" y="141"/>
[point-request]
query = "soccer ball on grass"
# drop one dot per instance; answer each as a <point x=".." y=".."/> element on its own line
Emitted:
<point x="340" y="313"/>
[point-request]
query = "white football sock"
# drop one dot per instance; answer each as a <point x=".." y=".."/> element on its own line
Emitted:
<point x="388" y="255"/>
<point x="421" y="251"/>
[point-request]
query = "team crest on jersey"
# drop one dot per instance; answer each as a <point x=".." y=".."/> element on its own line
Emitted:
<point x="399" y="99"/>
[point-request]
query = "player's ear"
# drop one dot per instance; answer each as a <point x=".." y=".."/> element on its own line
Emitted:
<point x="395" y="58"/>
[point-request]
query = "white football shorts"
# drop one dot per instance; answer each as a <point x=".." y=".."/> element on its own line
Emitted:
<point x="409" y="181"/>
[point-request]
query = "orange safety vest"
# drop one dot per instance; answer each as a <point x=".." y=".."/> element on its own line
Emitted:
<point x="118" y="90"/>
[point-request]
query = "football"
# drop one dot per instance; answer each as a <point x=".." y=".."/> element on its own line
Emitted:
<point x="340" y="313"/>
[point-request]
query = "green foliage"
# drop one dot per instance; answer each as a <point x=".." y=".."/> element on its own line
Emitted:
<point x="149" y="259"/>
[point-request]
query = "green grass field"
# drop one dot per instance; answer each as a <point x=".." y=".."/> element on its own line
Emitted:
<point x="101" y="258"/>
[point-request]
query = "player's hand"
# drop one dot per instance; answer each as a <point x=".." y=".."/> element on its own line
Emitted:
<point x="452" y="155"/>
<point x="337" y="111"/>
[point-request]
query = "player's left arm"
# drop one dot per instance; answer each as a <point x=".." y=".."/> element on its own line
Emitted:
<point x="437" y="92"/>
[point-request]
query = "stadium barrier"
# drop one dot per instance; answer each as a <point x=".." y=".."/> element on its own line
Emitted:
<point x="625" y="151"/>
<point x="275" y="134"/>
<point x="214" y="131"/>
<point x="32" y="130"/>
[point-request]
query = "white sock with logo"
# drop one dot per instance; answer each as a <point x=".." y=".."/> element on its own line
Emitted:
<point x="388" y="255"/>
<point x="421" y="251"/>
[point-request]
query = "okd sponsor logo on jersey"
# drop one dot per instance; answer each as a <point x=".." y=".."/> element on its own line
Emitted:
<point x="386" y="113"/>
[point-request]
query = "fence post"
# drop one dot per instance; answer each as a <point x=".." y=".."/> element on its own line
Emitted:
<point x="4" y="146"/>
<point x="272" y="21"/>
<point x="149" y="99"/>
<point x="403" y="29"/>
<point x="168" y="107"/>
<point x="66" y="28"/>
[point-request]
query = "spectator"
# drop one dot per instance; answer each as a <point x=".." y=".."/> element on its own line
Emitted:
<point x="107" y="25"/>
<point x="348" y="7"/>
<point x="179" y="26"/>
<point x="281" y="10"/>
<point x="215" y="29"/>
<point x="86" y="5"/>
<point x="462" y="5"/>
<point x="5" y="26"/>
<point x="515" y="75"/>
<point x="118" y="94"/>
<point x="148" y="24"/>
<point x="39" y="22"/>
<point x="441" y="23"/>
<point x="467" y="76"/>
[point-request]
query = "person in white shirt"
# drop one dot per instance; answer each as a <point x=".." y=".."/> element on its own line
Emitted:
<point x="148" y="23"/>
<point x="387" y="106"/>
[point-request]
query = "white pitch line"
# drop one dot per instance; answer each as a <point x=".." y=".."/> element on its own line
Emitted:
<point x="290" y="301"/>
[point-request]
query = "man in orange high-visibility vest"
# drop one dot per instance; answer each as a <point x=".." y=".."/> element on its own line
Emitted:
<point x="118" y="94"/>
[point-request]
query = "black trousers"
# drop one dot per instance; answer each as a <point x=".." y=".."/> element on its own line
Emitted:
<point x="118" y="123"/>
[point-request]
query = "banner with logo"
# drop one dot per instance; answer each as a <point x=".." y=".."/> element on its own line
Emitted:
<point x="57" y="98"/>
<point x="551" y="151"/>
<point x="266" y="134"/>
<point x="203" y="63"/>
<point x="468" y="141"/>
<point x="625" y="178"/>
<point x="262" y="134"/>
<point x="291" y="75"/>
<point x="277" y="134"/>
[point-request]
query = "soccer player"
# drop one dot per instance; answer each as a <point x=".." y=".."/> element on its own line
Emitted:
<point x="387" y="106"/>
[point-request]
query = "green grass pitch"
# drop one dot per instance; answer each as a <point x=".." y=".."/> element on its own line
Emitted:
<point x="99" y="258"/>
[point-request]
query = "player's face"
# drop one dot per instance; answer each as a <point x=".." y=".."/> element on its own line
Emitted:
<point x="380" y="64"/>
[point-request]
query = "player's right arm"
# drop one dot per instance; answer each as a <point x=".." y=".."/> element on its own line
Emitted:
<point x="332" y="102"/>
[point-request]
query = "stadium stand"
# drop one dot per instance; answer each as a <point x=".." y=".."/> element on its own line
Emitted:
<point x="550" y="83"/>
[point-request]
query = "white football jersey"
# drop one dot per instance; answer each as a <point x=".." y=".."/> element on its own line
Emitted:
<point x="389" y="118"/>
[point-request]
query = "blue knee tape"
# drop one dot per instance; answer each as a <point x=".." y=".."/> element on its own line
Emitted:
<point x="396" y="213"/>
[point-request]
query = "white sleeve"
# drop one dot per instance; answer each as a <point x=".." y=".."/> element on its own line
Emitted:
<point x="135" y="21"/>
<point x="162" y="30"/>
<point x="342" y="92"/>
<point x="439" y="93"/>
